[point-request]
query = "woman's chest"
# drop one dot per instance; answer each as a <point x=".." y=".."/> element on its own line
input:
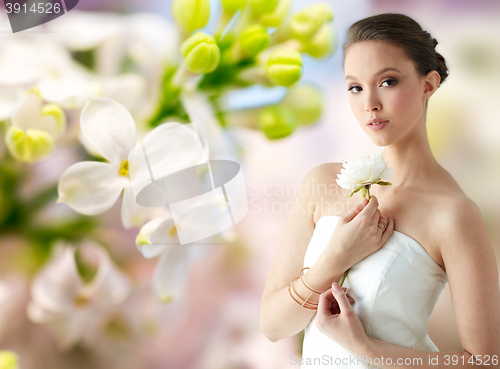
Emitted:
<point x="415" y="218"/>
<point x="414" y="215"/>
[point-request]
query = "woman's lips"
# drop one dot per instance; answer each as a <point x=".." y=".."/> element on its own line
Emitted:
<point x="378" y="127"/>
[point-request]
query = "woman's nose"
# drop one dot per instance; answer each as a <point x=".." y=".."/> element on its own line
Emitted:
<point x="372" y="103"/>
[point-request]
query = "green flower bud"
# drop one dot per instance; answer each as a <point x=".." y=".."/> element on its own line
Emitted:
<point x="33" y="146"/>
<point x="277" y="122"/>
<point x="201" y="53"/>
<point x="284" y="67"/>
<point x="278" y="16"/>
<point x="254" y="39"/>
<point x="305" y="101"/>
<point x="323" y="44"/>
<point x="9" y="360"/>
<point x="307" y="22"/>
<point x="263" y="6"/>
<point x="232" y="6"/>
<point x="191" y="14"/>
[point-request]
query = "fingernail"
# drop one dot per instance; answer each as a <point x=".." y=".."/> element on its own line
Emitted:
<point x="335" y="286"/>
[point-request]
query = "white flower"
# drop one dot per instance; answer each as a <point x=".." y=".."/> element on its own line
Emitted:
<point x="91" y="188"/>
<point x="71" y="309"/>
<point x="19" y="62"/>
<point x="362" y="172"/>
<point x="159" y="237"/>
<point x="147" y="39"/>
<point x="34" y="128"/>
<point x="9" y="98"/>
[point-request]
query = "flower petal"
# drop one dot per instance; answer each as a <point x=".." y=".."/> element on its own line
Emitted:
<point x="28" y="113"/>
<point x="69" y="91"/>
<point x="70" y="328"/>
<point x="9" y="98"/>
<point x="171" y="274"/>
<point x="80" y="30"/>
<point x="143" y="240"/>
<point x="156" y="236"/>
<point x="19" y="63"/>
<point x="132" y="214"/>
<point x="109" y="128"/>
<point x="386" y="173"/>
<point x="148" y="45"/>
<point x="55" y="287"/>
<point x="126" y="89"/>
<point x="109" y="286"/>
<point x="91" y="188"/>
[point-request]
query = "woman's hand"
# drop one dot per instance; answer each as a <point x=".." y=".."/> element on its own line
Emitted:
<point x="358" y="234"/>
<point x="336" y="319"/>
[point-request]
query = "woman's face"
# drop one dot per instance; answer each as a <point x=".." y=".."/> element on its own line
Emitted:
<point x="382" y="83"/>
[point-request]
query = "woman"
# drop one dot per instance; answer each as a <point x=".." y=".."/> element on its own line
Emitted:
<point x="396" y="276"/>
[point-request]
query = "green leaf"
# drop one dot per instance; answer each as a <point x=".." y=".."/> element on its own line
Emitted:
<point x="382" y="183"/>
<point x="353" y="192"/>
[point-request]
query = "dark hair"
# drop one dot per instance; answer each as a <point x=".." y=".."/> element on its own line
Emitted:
<point x="402" y="31"/>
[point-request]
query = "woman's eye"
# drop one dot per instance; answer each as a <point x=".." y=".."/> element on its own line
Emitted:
<point x="391" y="82"/>
<point x="350" y="89"/>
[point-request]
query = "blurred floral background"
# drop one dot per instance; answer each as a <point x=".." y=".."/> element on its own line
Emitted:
<point x="81" y="286"/>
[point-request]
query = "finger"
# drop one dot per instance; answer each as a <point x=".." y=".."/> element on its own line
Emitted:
<point x="324" y="304"/>
<point x="370" y="208"/>
<point x="347" y="217"/>
<point x="341" y="297"/>
<point x="389" y="229"/>
<point x="376" y="215"/>
<point x="333" y="304"/>
<point x="383" y="226"/>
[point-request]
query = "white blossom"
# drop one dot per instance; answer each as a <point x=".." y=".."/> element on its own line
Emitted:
<point x="72" y="309"/>
<point x="91" y="188"/>
<point x="363" y="171"/>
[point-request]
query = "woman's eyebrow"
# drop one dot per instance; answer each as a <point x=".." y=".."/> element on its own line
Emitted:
<point x="378" y="73"/>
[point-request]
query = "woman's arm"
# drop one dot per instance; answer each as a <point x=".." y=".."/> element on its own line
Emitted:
<point x="280" y="315"/>
<point x="473" y="278"/>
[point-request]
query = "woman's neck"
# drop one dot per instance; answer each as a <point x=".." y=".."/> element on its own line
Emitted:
<point x="412" y="159"/>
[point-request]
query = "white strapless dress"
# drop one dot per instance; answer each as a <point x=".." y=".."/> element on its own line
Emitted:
<point x="395" y="288"/>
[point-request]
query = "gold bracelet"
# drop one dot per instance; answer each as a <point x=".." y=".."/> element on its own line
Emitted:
<point x="305" y="301"/>
<point x="290" y="293"/>
<point x="302" y="279"/>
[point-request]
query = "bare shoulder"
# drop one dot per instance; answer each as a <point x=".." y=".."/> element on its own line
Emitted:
<point x="324" y="191"/>
<point x="459" y="217"/>
<point x="325" y="172"/>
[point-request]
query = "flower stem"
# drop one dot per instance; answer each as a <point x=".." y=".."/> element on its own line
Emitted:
<point x="343" y="277"/>
<point x="368" y="191"/>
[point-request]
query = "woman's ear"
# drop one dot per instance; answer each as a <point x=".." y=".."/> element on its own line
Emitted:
<point x="431" y="83"/>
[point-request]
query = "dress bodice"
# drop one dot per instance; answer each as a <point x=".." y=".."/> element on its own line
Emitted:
<point x="395" y="289"/>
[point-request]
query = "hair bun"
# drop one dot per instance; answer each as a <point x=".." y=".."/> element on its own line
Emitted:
<point x="442" y="69"/>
